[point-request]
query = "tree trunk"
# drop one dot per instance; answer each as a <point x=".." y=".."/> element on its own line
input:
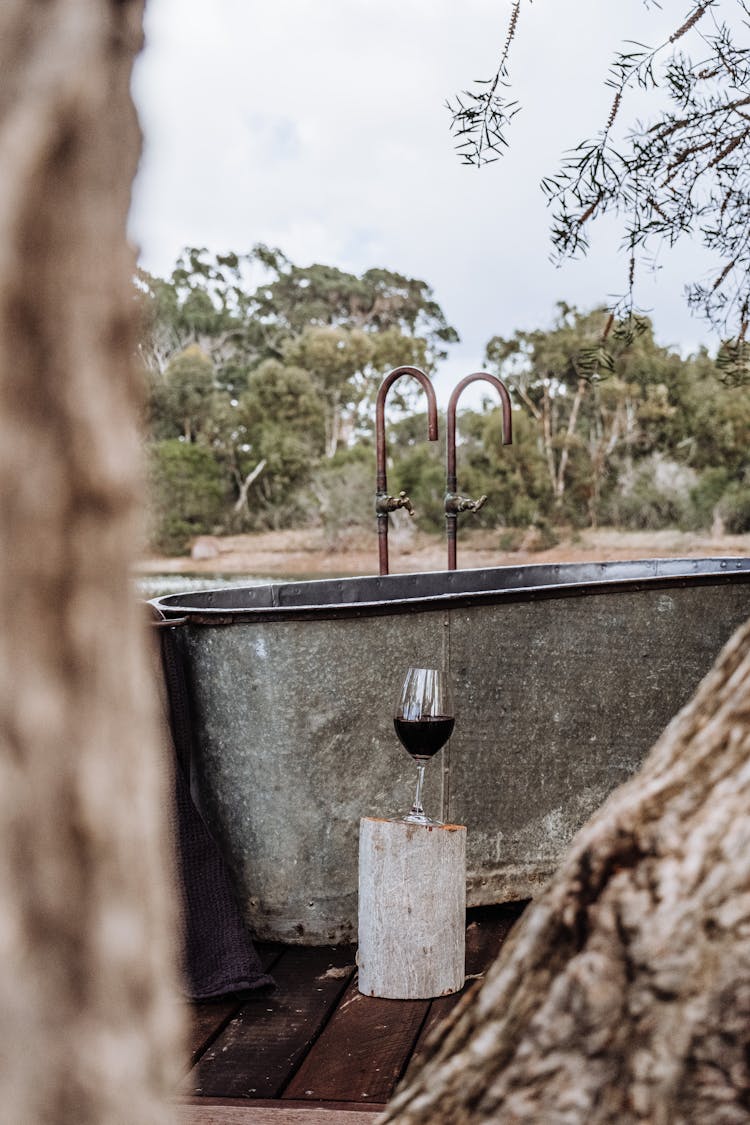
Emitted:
<point x="333" y="425"/>
<point x="570" y="430"/>
<point x="624" y="994"/>
<point x="409" y="875"/>
<point x="241" y="504"/>
<point x="89" y="1022"/>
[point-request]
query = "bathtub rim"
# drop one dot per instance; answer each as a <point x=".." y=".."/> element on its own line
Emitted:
<point x="582" y="579"/>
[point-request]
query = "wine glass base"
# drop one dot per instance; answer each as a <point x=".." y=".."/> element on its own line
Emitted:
<point x="420" y="818"/>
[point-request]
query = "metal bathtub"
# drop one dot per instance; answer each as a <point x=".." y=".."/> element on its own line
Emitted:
<point x="564" y="676"/>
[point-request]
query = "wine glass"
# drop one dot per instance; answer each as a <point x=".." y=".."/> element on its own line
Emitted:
<point x="423" y="718"/>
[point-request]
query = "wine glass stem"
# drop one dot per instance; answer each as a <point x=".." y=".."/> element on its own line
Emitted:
<point x="416" y="808"/>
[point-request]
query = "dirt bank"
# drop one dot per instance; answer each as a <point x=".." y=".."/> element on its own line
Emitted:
<point x="305" y="553"/>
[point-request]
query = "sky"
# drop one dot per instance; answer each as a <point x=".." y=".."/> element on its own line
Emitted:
<point x="320" y="127"/>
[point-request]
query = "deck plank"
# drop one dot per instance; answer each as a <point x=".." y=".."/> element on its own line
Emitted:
<point x="363" y="1050"/>
<point x="262" y="1043"/>
<point x="487" y="929"/>
<point x="272" y="1113"/>
<point x="296" y="1044"/>
<point x="208" y="1018"/>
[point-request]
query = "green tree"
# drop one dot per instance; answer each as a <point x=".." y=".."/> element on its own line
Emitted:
<point x="243" y="308"/>
<point x="419" y="468"/>
<point x="297" y="297"/>
<point x="346" y="366"/>
<point x="589" y="429"/>
<point x="206" y="301"/>
<point x="336" y="360"/>
<point x="341" y="490"/>
<point x="283" y="422"/>
<point x="183" y="400"/>
<point x="715" y="441"/>
<point x="228" y="340"/>
<point x="188" y="494"/>
<point x="512" y="477"/>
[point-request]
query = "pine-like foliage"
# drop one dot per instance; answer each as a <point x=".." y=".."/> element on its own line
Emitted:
<point x="685" y="172"/>
<point x="481" y="116"/>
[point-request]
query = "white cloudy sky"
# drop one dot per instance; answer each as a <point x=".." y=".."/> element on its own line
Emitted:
<point x="319" y="126"/>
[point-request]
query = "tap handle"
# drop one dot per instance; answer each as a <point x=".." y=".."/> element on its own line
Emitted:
<point x="405" y="502"/>
<point x="385" y="503"/>
<point x="454" y="503"/>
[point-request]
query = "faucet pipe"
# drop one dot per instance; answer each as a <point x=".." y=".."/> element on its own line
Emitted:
<point x="384" y="504"/>
<point x="453" y="502"/>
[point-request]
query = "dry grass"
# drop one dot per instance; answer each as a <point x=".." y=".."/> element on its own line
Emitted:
<point x="306" y="552"/>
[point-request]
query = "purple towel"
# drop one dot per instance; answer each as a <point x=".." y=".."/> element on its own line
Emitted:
<point x="218" y="953"/>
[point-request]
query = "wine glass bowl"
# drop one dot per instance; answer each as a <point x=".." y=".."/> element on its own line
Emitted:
<point x="423" y="720"/>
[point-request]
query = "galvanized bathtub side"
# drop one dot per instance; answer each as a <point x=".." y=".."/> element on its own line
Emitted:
<point x="564" y="676"/>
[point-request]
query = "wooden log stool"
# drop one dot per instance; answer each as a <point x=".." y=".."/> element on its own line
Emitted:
<point x="412" y="909"/>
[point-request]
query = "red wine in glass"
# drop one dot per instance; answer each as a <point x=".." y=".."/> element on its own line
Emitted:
<point x="422" y="738"/>
<point x="423" y="719"/>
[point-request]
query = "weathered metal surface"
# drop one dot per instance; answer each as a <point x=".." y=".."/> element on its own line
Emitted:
<point x="563" y="677"/>
<point x="295" y="743"/>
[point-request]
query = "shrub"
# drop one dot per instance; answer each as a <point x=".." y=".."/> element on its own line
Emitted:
<point x="343" y="491"/>
<point x="734" y="507"/>
<point x="705" y="497"/>
<point x="656" y="495"/>
<point x="511" y="539"/>
<point x="188" y="495"/>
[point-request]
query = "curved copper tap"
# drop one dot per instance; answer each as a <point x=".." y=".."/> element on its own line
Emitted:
<point x="383" y="502"/>
<point x="453" y="502"/>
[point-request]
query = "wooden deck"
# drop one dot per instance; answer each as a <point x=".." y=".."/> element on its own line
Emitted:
<point x="314" y="1051"/>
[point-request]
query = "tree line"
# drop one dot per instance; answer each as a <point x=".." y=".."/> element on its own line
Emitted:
<point x="260" y="410"/>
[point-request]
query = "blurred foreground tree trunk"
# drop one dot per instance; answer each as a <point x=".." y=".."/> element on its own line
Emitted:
<point x="624" y="994"/>
<point x="89" y="1024"/>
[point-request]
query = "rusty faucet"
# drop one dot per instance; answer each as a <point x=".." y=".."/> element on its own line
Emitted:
<point x="453" y="502"/>
<point x="384" y="504"/>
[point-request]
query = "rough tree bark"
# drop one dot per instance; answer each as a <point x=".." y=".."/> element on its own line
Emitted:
<point x="624" y="994"/>
<point x="89" y="1024"/>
